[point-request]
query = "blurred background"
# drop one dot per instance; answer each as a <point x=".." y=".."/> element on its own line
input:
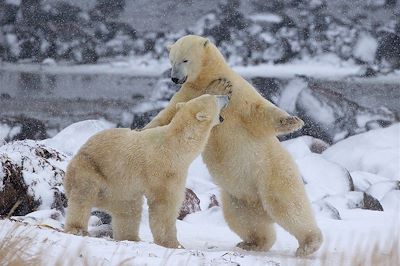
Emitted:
<point x="333" y="63"/>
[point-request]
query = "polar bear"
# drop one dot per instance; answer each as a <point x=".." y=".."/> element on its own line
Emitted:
<point x="259" y="181"/>
<point x="116" y="167"/>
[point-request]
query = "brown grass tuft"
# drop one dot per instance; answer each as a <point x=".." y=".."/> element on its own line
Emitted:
<point x="13" y="247"/>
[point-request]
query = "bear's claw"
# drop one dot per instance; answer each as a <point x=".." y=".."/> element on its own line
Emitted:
<point x="220" y="86"/>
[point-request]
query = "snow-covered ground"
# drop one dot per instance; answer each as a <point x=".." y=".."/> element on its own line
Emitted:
<point x="335" y="181"/>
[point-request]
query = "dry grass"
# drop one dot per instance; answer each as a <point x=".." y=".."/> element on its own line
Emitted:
<point x="13" y="247"/>
<point x="365" y="253"/>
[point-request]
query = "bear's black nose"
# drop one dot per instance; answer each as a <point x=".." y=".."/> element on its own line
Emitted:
<point x="221" y="119"/>
<point x="175" y="80"/>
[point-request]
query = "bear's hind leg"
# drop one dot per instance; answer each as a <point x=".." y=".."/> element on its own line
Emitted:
<point x="126" y="219"/>
<point x="296" y="217"/>
<point x="250" y="222"/>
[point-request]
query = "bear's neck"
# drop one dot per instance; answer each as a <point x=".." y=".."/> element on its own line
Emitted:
<point x="188" y="141"/>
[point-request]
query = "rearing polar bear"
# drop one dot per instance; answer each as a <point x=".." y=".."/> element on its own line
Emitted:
<point x="259" y="181"/>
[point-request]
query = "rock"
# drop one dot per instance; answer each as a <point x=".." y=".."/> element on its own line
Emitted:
<point x="103" y="230"/>
<point x="326" y="209"/>
<point x="104" y="217"/>
<point x="14" y="197"/>
<point x="314" y="145"/>
<point x="354" y="200"/>
<point x="329" y="116"/>
<point x="8" y="13"/>
<point x="142" y="119"/>
<point x="191" y="204"/>
<point x="389" y="49"/>
<point x="371" y="203"/>
<point x="213" y="201"/>
<point x="363" y="180"/>
<point x="21" y="127"/>
<point x="31" y="177"/>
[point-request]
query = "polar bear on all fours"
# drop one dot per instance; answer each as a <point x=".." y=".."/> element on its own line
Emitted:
<point x="259" y="181"/>
<point x="115" y="168"/>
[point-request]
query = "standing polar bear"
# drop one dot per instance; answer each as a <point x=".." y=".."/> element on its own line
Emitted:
<point x="259" y="181"/>
<point x="116" y="167"/>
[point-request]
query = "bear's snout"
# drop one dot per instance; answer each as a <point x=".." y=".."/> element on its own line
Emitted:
<point x="179" y="81"/>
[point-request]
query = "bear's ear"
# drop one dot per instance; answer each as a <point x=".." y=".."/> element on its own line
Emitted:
<point x="169" y="46"/>
<point x="178" y="106"/>
<point x="202" y="116"/>
<point x="206" y="42"/>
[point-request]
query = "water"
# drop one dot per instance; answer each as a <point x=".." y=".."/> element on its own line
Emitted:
<point x="64" y="98"/>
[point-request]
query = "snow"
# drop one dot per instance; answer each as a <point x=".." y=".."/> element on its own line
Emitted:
<point x="14" y="2"/>
<point x="363" y="180"/>
<point x="376" y="152"/>
<point x="365" y="47"/>
<point x="4" y="131"/>
<point x="206" y="236"/>
<point x="7" y="132"/>
<point x="330" y="178"/>
<point x="328" y="66"/>
<point x="70" y="139"/>
<point x="272" y="18"/>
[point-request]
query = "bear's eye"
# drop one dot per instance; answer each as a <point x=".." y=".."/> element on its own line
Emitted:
<point x="185" y="61"/>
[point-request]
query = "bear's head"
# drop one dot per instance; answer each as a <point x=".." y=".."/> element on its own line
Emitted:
<point x="199" y="115"/>
<point x="189" y="55"/>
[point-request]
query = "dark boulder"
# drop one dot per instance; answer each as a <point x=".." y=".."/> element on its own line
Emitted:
<point x="22" y="127"/>
<point x="30" y="177"/>
<point x="190" y="204"/>
<point x="389" y="49"/>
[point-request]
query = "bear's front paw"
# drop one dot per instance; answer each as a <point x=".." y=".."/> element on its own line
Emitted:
<point x="77" y="231"/>
<point x="289" y="124"/>
<point x="220" y="86"/>
<point x="250" y="246"/>
<point x="170" y="244"/>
